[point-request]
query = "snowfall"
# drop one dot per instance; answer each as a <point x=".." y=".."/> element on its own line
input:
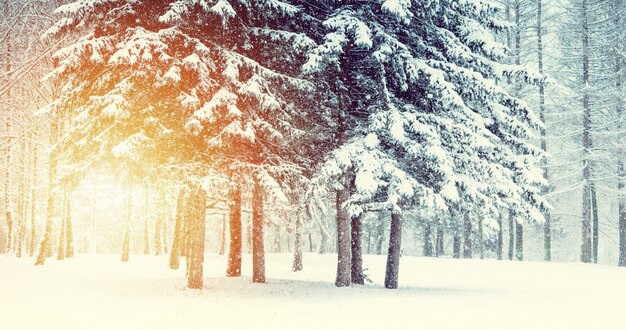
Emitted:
<point x="100" y="292"/>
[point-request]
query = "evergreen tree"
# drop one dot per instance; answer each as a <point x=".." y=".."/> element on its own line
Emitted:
<point x="440" y="131"/>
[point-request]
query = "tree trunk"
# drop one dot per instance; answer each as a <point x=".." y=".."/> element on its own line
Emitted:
<point x="277" y="247"/>
<point x="467" y="237"/>
<point x="393" y="256"/>
<point x="126" y="240"/>
<point x="146" y="219"/>
<point x="595" y="223"/>
<point x="456" y="242"/>
<point x="9" y="220"/>
<point x="189" y="227"/>
<point x="45" y="248"/>
<point x="380" y="234"/>
<point x="323" y="240"/>
<point x="62" y="231"/>
<point x="511" y="234"/>
<point x="222" y="250"/>
<point x="481" y="238"/>
<point x="146" y="236"/>
<point x="428" y="243"/>
<point x="439" y="248"/>
<point x="344" y="250"/>
<point x="21" y="219"/>
<point x="620" y="63"/>
<point x="622" y="222"/>
<point x="547" y="231"/>
<point x="297" y="255"/>
<point x="7" y="164"/>
<point x="258" y="248"/>
<point x="197" y="236"/>
<point x="158" y="244"/>
<point x="500" y="238"/>
<point x="178" y="231"/>
<point x="311" y="248"/>
<point x="236" y="233"/>
<point x="519" y="241"/>
<point x="33" y="203"/>
<point x="586" y="253"/>
<point x="69" y="233"/>
<point x="357" y="250"/>
<point x="166" y="220"/>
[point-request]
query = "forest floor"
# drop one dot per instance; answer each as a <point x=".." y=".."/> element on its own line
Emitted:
<point x="100" y="292"/>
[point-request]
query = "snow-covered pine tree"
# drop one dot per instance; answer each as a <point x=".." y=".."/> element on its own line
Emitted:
<point x="128" y="82"/>
<point x="149" y="86"/>
<point x="101" y="110"/>
<point x="433" y="128"/>
<point x="253" y="123"/>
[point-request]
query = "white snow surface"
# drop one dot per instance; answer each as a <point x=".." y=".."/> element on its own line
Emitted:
<point x="100" y="292"/>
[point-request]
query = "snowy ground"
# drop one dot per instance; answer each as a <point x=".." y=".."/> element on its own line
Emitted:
<point x="99" y="292"/>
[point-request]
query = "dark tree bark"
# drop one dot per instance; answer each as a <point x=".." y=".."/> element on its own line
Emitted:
<point x="586" y="254"/>
<point x="519" y="241"/>
<point x="622" y="224"/>
<point x="357" y="250"/>
<point x="456" y="243"/>
<point x="344" y="249"/>
<point x="511" y="234"/>
<point x="500" y="238"/>
<point x="258" y="248"/>
<point x="236" y="233"/>
<point x="481" y="238"/>
<point x="428" y="242"/>
<point x="311" y="248"/>
<point x="439" y="244"/>
<point x="197" y="224"/>
<point x="595" y="224"/>
<point x="393" y="256"/>
<point x="297" y="255"/>
<point x="178" y="231"/>
<point x="619" y="71"/>
<point x="519" y="229"/>
<point x="620" y="64"/>
<point x="547" y="230"/>
<point x="467" y="237"/>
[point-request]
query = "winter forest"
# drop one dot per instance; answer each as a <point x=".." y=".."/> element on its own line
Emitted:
<point x="223" y="153"/>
